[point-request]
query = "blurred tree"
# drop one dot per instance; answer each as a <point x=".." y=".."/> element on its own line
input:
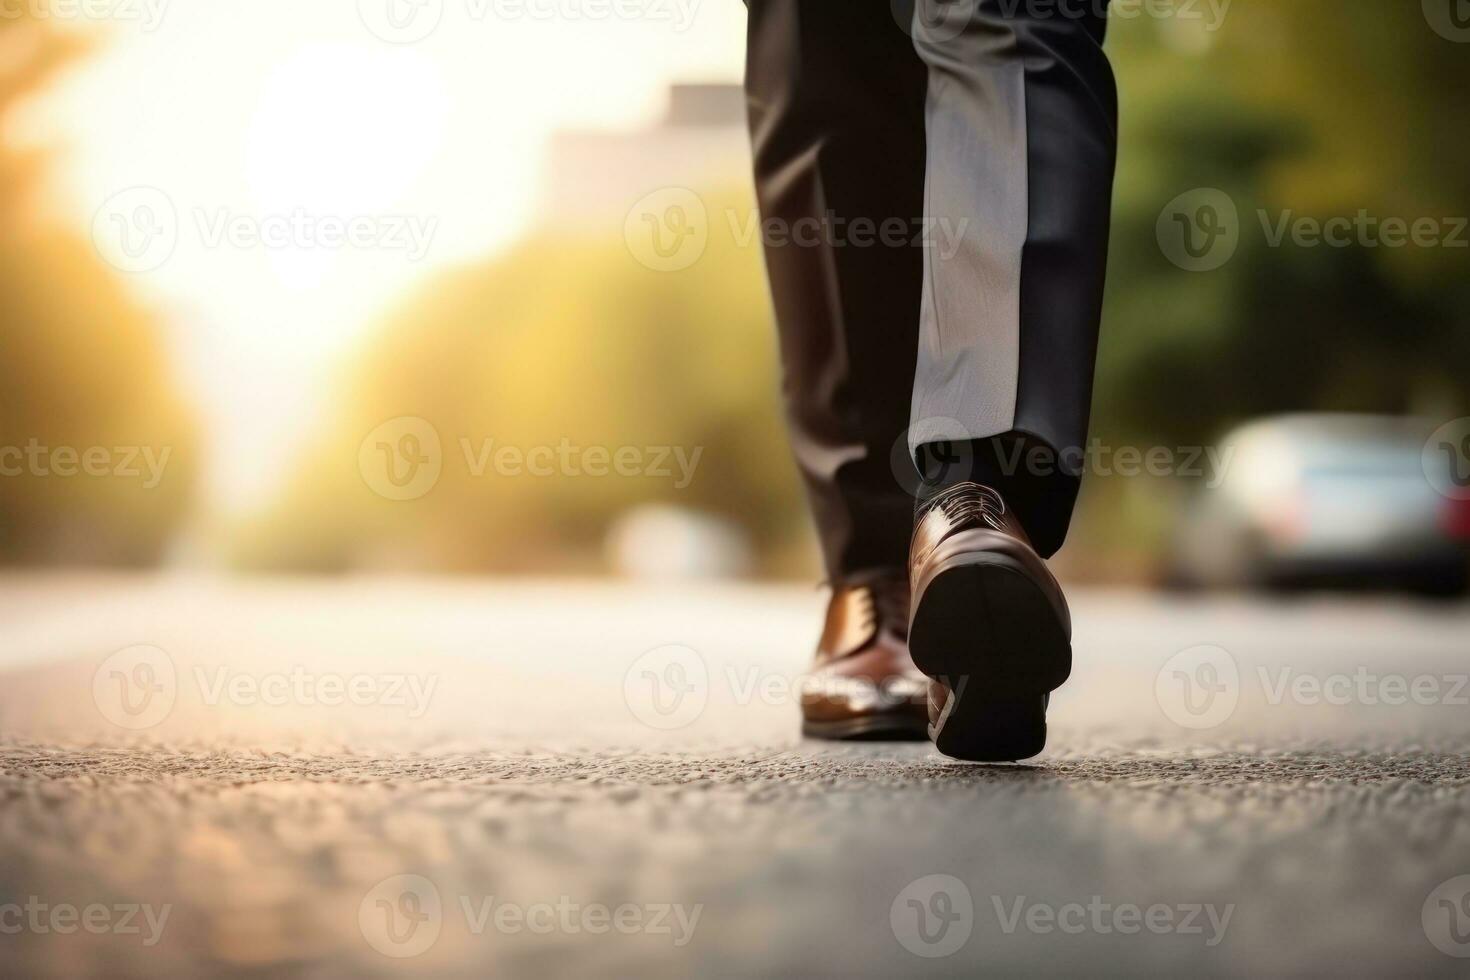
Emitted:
<point x="1308" y="109"/>
<point x="563" y="341"/>
<point x="1313" y="109"/>
<point x="81" y="367"/>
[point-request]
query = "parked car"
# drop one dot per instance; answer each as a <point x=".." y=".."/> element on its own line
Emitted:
<point x="1326" y="500"/>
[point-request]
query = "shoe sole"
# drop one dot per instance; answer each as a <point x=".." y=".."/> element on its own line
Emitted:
<point x="870" y="729"/>
<point x="983" y="627"/>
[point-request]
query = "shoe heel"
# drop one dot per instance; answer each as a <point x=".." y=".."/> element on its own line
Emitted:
<point x="979" y="730"/>
<point x="985" y="629"/>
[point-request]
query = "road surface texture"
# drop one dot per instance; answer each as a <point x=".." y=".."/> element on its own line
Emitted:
<point x="447" y="778"/>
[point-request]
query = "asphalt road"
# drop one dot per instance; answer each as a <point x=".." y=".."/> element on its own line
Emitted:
<point x="448" y="778"/>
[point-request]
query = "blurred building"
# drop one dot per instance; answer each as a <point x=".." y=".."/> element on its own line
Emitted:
<point x="594" y="176"/>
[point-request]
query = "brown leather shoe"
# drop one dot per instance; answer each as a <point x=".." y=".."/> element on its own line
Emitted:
<point x="864" y="685"/>
<point x="990" y="626"/>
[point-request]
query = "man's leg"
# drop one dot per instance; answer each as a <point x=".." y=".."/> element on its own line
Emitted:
<point x="1021" y="136"/>
<point x="836" y="96"/>
<point x="1022" y="122"/>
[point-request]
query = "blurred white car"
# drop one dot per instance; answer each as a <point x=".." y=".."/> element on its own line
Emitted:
<point x="1326" y="500"/>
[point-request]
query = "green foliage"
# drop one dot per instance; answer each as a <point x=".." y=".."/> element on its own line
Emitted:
<point x="1319" y="108"/>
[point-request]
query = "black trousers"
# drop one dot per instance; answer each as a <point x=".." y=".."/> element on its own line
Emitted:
<point x="940" y="181"/>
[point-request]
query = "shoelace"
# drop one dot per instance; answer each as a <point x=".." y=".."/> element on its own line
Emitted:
<point x="890" y="602"/>
<point x="883" y="602"/>
<point x="965" y="502"/>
